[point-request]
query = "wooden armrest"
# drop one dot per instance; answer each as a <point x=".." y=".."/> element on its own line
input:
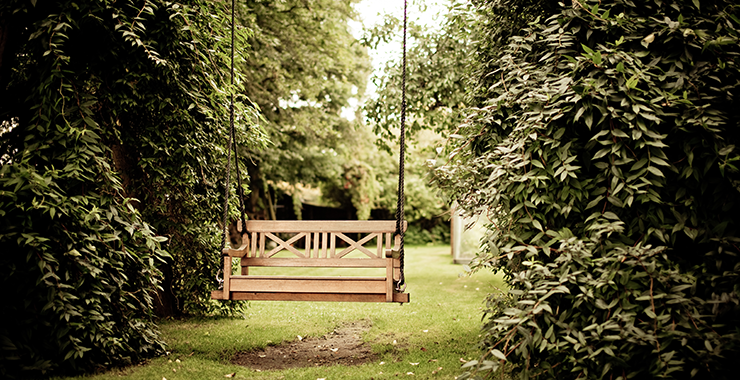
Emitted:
<point x="241" y="251"/>
<point x="394" y="252"/>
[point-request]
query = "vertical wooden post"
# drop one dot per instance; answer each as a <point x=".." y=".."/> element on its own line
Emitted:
<point x="253" y="250"/>
<point x="333" y="246"/>
<point x="227" y="277"/>
<point x="324" y="243"/>
<point x="389" y="280"/>
<point x="316" y="246"/>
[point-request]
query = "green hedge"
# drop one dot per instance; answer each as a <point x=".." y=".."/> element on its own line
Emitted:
<point x="604" y="150"/>
<point x="112" y="122"/>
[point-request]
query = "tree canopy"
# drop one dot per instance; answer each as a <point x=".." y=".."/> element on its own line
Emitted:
<point x="304" y="68"/>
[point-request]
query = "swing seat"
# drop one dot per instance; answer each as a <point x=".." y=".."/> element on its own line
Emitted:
<point x="321" y="251"/>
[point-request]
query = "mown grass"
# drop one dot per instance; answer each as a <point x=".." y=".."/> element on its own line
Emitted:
<point x="437" y="329"/>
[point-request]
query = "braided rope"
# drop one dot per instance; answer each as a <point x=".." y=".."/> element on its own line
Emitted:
<point x="230" y="144"/>
<point x="240" y="189"/>
<point x="401" y="284"/>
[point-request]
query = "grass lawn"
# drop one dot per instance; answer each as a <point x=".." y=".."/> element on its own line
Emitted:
<point x="437" y="329"/>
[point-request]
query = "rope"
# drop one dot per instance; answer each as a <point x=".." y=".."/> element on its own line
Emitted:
<point x="240" y="190"/>
<point x="230" y="146"/>
<point x="401" y="284"/>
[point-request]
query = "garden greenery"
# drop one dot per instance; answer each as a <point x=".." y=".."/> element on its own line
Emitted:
<point x="603" y="150"/>
<point x="114" y="124"/>
<point x="304" y="68"/>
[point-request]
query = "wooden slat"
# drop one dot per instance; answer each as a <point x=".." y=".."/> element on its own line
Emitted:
<point x="291" y="284"/>
<point x="333" y="245"/>
<point x="316" y="242"/>
<point x="227" y="274"/>
<point x="262" y="244"/>
<point x="307" y="278"/>
<point x="324" y="243"/>
<point x="389" y="282"/>
<point x="315" y="297"/>
<point x="254" y="245"/>
<point x="347" y="226"/>
<point x="308" y="244"/>
<point x="286" y="262"/>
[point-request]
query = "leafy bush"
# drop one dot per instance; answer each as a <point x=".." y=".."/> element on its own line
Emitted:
<point x="418" y="232"/>
<point x="603" y="149"/>
<point x="111" y="117"/>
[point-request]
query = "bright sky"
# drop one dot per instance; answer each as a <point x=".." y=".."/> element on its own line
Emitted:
<point x="371" y="13"/>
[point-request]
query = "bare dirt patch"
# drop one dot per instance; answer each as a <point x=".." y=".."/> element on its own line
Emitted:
<point x="343" y="346"/>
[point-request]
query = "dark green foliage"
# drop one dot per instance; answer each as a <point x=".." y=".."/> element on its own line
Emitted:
<point x="427" y="231"/>
<point x="603" y="149"/>
<point x="112" y="127"/>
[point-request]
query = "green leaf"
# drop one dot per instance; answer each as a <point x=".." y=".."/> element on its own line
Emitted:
<point x="589" y="120"/>
<point x="632" y="82"/>
<point x="611" y="215"/>
<point x="658" y="161"/>
<point x="594" y="202"/>
<point x="498" y="354"/>
<point x="726" y="150"/>
<point x="639" y="164"/>
<point x="597" y="58"/>
<point x="90" y="122"/>
<point x="537" y="225"/>
<point x="656" y="171"/>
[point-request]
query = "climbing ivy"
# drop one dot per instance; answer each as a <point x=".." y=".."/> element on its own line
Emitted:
<point x="114" y="118"/>
<point x="602" y="149"/>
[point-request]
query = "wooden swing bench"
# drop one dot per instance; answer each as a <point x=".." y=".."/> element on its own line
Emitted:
<point x="320" y="251"/>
